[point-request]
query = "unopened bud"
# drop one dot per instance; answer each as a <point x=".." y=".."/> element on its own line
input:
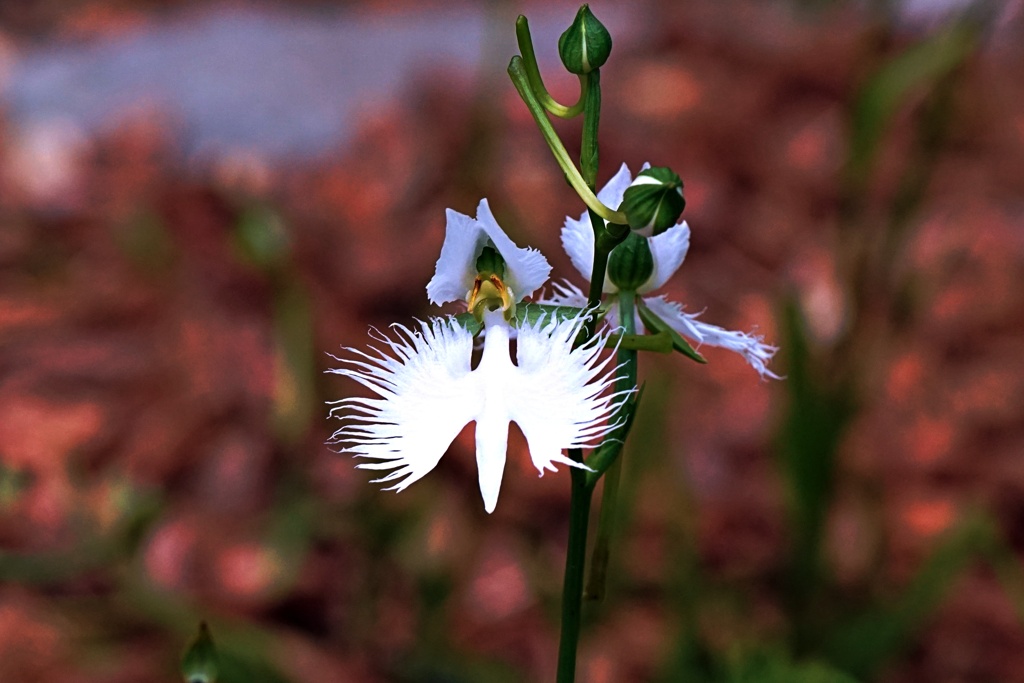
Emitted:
<point x="654" y="201"/>
<point x="199" y="665"/>
<point x="586" y="44"/>
<point x="631" y="264"/>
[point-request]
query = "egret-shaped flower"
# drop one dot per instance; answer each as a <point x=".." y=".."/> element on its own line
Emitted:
<point x="426" y="389"/>
<point x="667" y="251"/>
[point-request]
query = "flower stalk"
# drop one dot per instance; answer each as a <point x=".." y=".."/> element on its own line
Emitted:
<point x="537" y="83"/>
<point x="517" y="72"/>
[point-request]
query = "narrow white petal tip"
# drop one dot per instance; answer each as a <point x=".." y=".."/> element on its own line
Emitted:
<point x="564" y="293"/>
<point x="750" y="346"/>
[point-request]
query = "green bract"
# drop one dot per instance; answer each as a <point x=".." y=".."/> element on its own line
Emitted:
<point x="654" y="201"/>
<point x="631" y="263"/>
<point x="586" y="44"/>
<point x="199" y="665"/>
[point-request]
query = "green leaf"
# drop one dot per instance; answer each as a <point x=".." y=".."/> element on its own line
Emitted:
<point x="655" y="324"/>
<point x="917" y="68"/>
<point x="865" y="643"/>
<point x="776" y="667"/>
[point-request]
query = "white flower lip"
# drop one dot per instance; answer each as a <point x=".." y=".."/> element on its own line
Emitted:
<point x="426" y="392"/>
<point x="525" y="269"/>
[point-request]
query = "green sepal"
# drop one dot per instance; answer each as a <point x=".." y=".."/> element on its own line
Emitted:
<point x="655" y="324"/>
<point x="199" y="665"/>
<point x="468" y="322"/>
<point x="654" y="201"/>
<point x="656" y="343"/>
<point x="586" y="44"/>
<point x="528" y="313"/>
<point x="631" y="264"/>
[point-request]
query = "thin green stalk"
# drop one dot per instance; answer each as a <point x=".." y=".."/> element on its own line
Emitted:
<point x="537" y="83"/>
<point x="575" y="560"/>
<point x="591" y="119"/>
<point x="610" y="493"/>
<point x="517" y="72"/>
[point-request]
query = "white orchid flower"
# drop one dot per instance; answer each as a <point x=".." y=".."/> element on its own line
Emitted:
<point x="668" y="250"/>
<point x="426" y="389"/>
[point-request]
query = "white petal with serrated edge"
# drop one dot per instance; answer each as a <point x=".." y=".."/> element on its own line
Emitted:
<point x="455" y="270"/>
<point x="526" y="269"/>
<point x="668" y="250"/>
<point x="559" y="396"/>
<point x="464" y="239"/>
<point x="750" y="346"/>
<point x="564" y="293"/>
<point x="425" y="394"/>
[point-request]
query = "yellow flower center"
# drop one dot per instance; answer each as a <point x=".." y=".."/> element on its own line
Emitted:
<point x="489" y="294"/>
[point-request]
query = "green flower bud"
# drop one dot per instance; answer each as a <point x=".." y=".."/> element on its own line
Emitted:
<point x="654" y="202"/>
<point x="631" y="263"/>
<point x="199" y="665"/>
<point x="586" y="44"/>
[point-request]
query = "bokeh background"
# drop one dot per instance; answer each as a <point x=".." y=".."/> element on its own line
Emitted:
<point x="200" y="201"/>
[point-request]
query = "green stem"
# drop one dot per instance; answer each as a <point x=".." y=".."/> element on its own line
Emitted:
<point x="521" y="81"/>
<point x="610" y="493"/>
<point x="537" y="83"/>
<point x="575" y="560"/>
<point x="591" y="119"/>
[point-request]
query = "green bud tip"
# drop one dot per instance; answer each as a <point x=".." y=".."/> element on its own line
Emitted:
<point x="631" y="264"/>
<point x="199" y="665"/>
<point x="654" y="201"/>
<point x="586" y="44"/>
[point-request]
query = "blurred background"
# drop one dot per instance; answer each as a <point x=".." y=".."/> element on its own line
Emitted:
<point x="200" y="200"/>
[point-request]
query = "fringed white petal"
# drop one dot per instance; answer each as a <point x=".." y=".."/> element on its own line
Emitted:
<point x="425" y="394"/>
<point x="559" y="395"/>
<point x="526" y="269"/>
<point x="564" y="293"/>
<point x="464" y="239"/>
<point x="750" y="346"/>
<point x="668" y="249"/>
